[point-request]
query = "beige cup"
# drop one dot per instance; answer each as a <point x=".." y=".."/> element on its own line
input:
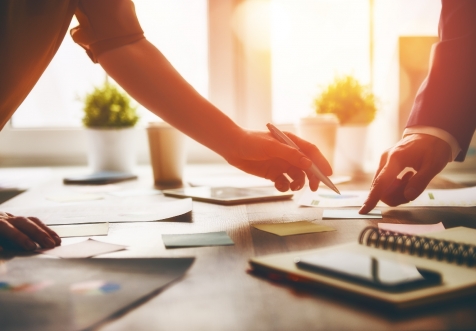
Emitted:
<point x="167" y="153"/>
<point x="321" y="130"/>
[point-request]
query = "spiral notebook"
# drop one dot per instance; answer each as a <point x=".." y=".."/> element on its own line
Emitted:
<point x="451" y="252"/>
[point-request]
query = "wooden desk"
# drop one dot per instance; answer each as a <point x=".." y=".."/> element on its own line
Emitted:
<point x="218" y="294"/>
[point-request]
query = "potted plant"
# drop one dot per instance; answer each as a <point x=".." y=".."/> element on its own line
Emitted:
<point x="354" y="105"/>
<point x="109" y="118"/>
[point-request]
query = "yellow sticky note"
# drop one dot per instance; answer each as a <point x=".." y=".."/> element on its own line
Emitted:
<point x="289" y="229"/>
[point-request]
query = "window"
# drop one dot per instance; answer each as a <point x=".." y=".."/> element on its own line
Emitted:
<point x="46" y="129"/>
<point x="178" y="28"/>
<point x="257" y="60"/>
<point x="313" y="40"/>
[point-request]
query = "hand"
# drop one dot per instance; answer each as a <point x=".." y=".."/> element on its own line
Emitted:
<point x="426" y="154"/>
<point x="25" y="232"/>
<point x="260" y="154"/>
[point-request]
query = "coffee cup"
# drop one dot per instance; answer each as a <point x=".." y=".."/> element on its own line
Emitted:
<point x="167" y="153"/>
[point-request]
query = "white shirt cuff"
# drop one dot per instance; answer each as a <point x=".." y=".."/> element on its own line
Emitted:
<point x="439" y="133"/>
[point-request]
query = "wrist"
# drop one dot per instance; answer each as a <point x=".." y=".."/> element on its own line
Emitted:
<point x="438" y="133"/>
<point x="431" y="142"/>
<point x="230" y="142"/>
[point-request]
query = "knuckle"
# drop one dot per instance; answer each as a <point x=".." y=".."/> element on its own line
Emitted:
<point x="268" y="174"/>
<point x="4" y="224"/>
<point x="36" y="220"/>
<point x="396" y="155"/>
<point x="19" y="220"/>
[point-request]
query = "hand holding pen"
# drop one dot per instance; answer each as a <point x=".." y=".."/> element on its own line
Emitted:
<point x="259" y="153"/>
<point x="314" y="169"/>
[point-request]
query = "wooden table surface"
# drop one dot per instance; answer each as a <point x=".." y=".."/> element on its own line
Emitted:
<point x="218" y="293"/>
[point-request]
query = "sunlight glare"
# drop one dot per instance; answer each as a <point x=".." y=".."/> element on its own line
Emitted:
<point x="251" y="23"/>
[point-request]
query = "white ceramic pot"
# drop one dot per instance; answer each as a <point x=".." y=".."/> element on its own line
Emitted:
<point x="111" y="149"/>
<point x="321" y="130"/>
<point x="351" y="149"/>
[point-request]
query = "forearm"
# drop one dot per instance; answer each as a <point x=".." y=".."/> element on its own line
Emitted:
<point x="149" y="78"/>
<point x="446" y="99"/>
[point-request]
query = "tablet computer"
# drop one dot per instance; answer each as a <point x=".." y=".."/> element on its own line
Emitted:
<point x="228" y="195"/>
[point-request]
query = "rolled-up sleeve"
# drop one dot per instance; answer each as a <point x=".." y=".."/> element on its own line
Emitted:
<point x="105" y="25"/>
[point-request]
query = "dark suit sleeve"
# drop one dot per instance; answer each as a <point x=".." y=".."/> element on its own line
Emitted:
<point x="447" y="97"/>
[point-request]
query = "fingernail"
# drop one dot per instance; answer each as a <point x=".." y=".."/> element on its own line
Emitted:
<point x="411" y="194"/>
<point x="363" y="208"/>
<point x="48" y="243"/>
<point x="296" y="188"/>
<point x="29" y="245"/>
<point x="57" y="240"/>
<point x="305" y="162"/>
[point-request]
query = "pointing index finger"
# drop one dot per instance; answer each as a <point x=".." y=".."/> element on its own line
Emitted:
<point x="381" y="183"/>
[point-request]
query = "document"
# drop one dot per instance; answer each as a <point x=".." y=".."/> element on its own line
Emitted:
<point x="23" y="178"/>
<point x="108" y="212"/>
<point x="81" y="230"/>
<point x="85" y="249"/>
<point x="135" y="192"/>
<point x="74" y="197"/>
<point x="461" y="197"/>
<point x="245" y="180"/>
<point x="197" y="239"/>
<point x="106" y="188"/>
<point x="350" y="213"/>
<point x="293" y="228"/>
<point x="411" y="228"/>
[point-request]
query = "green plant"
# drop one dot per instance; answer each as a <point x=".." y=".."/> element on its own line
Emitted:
<point x="107" y="107"/>
<point x="349" y="100"/>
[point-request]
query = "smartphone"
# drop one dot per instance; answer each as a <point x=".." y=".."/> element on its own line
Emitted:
<point x="383" y="274"/>
<point x="228" y="195"/>
<point x="99" y="178"/>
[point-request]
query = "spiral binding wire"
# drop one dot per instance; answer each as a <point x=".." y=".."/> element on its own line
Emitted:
<point x="442" y="250"/>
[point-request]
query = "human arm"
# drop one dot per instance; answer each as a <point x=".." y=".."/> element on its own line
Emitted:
<point x="149" y="78"/>
<point x="112" y="36"/>
<point x="445" y="107"/>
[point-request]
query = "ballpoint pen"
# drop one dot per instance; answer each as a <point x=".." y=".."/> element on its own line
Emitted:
<point x="281" y="137"/>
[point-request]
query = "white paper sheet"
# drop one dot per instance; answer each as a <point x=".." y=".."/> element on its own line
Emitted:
<point x="461" y="197"/>
<point x="101" y="213"/>
<point x="81" y="230"/>
<point x="85" y="249"/>
<point x="350" y="213"/>
<point x="23" y="178"/>
<point x="245" y="180"/>
<point x="74" y="197"/>
<point x="106" y="188"/>
<point x="135" y="192"/>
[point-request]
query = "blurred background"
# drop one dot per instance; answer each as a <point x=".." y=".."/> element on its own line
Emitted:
<point x="257" y="60"/>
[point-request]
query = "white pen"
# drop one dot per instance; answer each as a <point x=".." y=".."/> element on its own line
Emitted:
<point x="280" y="136"/>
